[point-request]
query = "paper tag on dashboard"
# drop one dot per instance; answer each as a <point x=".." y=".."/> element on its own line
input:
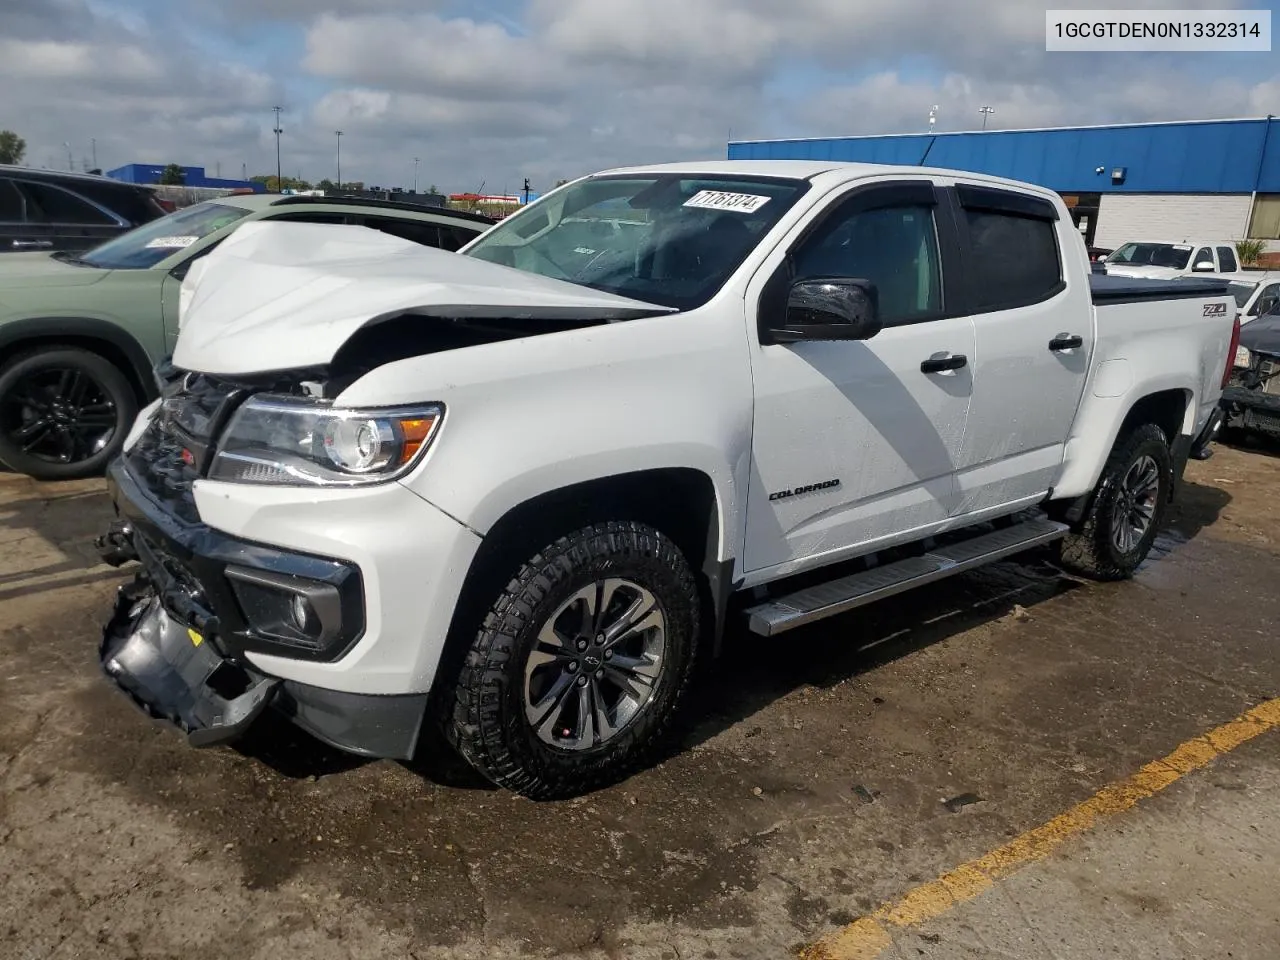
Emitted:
<point x="719" y="200"/>
<point x="175" y="243"/>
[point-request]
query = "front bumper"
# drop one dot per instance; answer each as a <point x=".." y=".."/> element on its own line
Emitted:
<point x="179" y="641"/>
<point x="1251" y="410"/>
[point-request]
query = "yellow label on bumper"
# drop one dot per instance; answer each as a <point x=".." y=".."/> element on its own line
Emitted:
<point x="196" y="639"/>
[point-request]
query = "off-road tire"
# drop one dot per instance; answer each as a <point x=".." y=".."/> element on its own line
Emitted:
<point x="103" y="373"/>
<point x="1089" y="548"/>
<point x="489" y="726"/>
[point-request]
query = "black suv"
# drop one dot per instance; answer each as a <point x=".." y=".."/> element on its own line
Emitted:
<point x="48" y="210"/>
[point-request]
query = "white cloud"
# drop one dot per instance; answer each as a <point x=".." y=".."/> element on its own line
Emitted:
<point x="502" y="89"/>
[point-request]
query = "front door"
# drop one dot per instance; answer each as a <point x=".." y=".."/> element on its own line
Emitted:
<point x="855" y="442"/>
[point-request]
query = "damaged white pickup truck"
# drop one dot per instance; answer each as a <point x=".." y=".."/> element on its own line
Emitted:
<point x="515" y="493"/>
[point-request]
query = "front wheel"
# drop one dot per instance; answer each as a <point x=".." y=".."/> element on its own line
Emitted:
<point x="64" y="412"/>
<point x="576" y="673"/>
<point x="1124" y="516"/>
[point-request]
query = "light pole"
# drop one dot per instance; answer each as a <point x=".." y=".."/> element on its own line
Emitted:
<point x="933" y="117"/>
<point x="415" y="174"/>
<point x="93" y="148"/>
<point x="71" y="164"/>
<point x="338" y="134"/>
<point x="986" y="112"/>
<point x="278" y="131"/>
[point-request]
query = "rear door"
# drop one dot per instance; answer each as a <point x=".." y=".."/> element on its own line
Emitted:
<point x="1027" y="290"/>
<point x="855" y="442"/>
<point x="69" y="221"/>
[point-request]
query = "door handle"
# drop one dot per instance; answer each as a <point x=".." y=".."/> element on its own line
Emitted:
<point x="32" y="244"/>
<point x="951" y="361"/>
<point x="1066" y="341"/>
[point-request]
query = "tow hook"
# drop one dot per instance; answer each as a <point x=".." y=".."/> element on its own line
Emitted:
<point x="116" y="545"/>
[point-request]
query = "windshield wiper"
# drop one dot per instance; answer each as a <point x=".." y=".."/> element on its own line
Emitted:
<point x="62" y="256"/>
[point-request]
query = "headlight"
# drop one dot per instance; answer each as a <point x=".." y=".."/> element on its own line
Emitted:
<point x="283" y="440"/>
<point x="1243" y="357"/>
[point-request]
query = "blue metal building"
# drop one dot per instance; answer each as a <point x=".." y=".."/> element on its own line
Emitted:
<point x="192" y="177"/>
<point x="1218" y="178"/>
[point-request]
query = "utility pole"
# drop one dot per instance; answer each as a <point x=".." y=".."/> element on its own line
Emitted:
<point x="526" y="191"/>
<point x="278" y="131"/>
<point x="338" y="134"/>
<point x="986" y="112"/>
<point x="933" y="117"/>
<point x="217" y="169"/>
<point x="93" y="148"/>
<point x="415" y="174"/>
<point x="71" y="164"/>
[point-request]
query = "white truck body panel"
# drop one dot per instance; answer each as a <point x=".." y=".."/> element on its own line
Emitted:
<point x="914" y="453"/>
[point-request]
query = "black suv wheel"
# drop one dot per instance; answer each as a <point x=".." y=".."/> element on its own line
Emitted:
<point x="64" y="413"/>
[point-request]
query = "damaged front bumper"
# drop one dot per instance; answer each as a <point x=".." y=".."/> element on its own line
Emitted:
<point x="172" y="674"/>
<point x="179" y="638"/>
<point x="1251" y="409"/>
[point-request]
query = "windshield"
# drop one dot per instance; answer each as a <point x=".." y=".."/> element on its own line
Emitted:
<point x="1241" y="290"/>
<point x="1173" y="255"/>
<point x="669" y="239"/>
<point x="149" y="244"/>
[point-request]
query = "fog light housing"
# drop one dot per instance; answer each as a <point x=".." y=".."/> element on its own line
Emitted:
<point x="302" y="614"/>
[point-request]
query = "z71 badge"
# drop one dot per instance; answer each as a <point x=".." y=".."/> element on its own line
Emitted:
<point x="784" y="494"/>
<point x="1215" y="309"/>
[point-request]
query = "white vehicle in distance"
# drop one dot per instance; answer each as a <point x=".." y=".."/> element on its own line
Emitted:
<point x="516" y="493"/>
<point x="1255" y="293"/>
<point x="1165" y="261"/>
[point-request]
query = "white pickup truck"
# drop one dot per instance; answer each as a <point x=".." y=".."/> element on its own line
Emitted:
<point x="514" y="493"/>
<point x="1165" y="261"/>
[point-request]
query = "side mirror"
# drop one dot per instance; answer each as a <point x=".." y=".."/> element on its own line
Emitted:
<point x="1204" y="266"/>
<point x="1264" y="306"/>
<point x="830" y="308"/>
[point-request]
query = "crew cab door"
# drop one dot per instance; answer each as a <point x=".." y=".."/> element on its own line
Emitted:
<point x="1027" y="288"/>
<point x="855" y="442"/>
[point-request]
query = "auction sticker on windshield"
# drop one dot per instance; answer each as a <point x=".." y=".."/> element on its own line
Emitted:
<point x="175" y="243"/>
<point x="719" y="200"/>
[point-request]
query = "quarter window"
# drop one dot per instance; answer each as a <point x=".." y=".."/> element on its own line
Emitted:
<point x="1013" y="259"/>
<point x="896" y="248"/>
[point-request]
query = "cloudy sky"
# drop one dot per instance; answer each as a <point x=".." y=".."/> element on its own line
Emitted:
<point x="496" y="90"/>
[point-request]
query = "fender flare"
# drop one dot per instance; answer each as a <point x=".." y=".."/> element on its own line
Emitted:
<point x="17" y="332"/>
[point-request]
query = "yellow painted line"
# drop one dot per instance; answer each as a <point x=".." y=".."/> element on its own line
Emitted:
<point x="867" y="937"/>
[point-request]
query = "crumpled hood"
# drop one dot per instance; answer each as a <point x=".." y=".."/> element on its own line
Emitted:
<point x="1138" y="270"/>
<point x="27" y="270"/>
<point x="274" y="296"/>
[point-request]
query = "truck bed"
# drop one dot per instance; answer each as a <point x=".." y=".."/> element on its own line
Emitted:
<point x="1107" y="289"/>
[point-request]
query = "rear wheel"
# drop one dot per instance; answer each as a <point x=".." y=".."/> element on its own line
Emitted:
<point x="64" y="413"/>
<point x="1128" y="506"/>
<point x="576" y="673"/>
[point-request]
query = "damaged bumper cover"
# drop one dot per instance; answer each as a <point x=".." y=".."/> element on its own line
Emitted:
<point x="177" y="638"/>
<point x="1251" y="409"/>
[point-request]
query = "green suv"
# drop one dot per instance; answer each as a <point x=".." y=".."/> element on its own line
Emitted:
<point x="80" y="333"/>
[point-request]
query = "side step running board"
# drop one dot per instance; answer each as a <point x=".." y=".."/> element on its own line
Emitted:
<point x="858" y="589"/>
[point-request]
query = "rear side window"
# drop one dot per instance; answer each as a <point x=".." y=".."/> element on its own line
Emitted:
<point x="10" y="203"/>
<point x="49" y="204"/>
<point x="1227" y="257"/>
<point x="1013" y="259"/>
<point x="133" y="204"/>
<point x="455" y="238"/>
<point x="417" y="231"/>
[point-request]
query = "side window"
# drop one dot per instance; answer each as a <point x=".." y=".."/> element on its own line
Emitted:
<point x="49" y="204"/>
<point x="896" y="248"/>
<point x="455" y="238"/>
<point x="1268" y="300"/>
<point x="1203" y="254"/>
<point x="418" y="231"/>
<point x="1227" y="257"/>
<point x="1013" y="259"/>
<point x="10" y="203"/>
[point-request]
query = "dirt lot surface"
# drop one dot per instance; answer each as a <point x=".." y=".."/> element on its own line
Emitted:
<point x="809" y="789"/>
